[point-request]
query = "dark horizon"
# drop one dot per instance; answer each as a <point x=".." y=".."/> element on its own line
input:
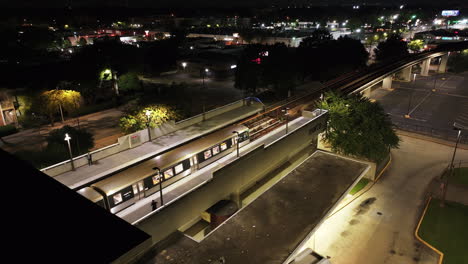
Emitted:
<point x="450" y="4"/>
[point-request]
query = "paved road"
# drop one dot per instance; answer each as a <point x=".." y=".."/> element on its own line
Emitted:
<point x="381" y="231"/>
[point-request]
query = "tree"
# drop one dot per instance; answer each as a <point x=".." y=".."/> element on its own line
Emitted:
<point x="358" y="127"/>
<point x="416" y="45"/>
<point x="392" y="48"/>
<point x="66" y="43"/>
<point x="458" y="62"/>
<point x="53" y="100"/>
<point x="137" y="120"/>
<point x="81" y="140"/>
<point x="248" y="69"/>
<point x="129" y="82"/>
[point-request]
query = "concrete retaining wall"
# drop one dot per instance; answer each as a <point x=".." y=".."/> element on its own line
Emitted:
<point x="374" y="168"/>
<point x="231" y="179"/>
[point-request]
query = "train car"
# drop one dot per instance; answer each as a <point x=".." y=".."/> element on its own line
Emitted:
<point x="125" y="188"/>
<point x="93" y="196"/>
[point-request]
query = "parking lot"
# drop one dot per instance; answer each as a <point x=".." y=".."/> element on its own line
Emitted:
<point x="433" y="103"/>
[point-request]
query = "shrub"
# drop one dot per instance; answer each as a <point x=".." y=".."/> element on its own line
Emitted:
<point x="7" y="130"/>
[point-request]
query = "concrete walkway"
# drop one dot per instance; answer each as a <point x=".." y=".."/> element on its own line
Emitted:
<point x="103" y="167"/>
<point x="378" y="227"/>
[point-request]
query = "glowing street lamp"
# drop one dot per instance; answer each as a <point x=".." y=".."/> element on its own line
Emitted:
<point x="184" y="64"/>
<point x="67" y="138"/>
<point x="458" y="127"/>
<point x="148" y="119"/>
<point x="159" y="177"/>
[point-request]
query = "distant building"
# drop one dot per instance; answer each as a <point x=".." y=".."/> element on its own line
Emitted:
<point x="442" y="36"/>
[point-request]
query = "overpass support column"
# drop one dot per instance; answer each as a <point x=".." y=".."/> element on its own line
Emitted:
<point x="406" y="74"/>
<point x="425" y="67"/>
<point x="366" y="93"/>
<point x="387" y="82"/>
<point x="443" y="63"/>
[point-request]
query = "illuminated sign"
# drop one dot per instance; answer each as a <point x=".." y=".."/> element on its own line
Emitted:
<point x="450" y="12"/>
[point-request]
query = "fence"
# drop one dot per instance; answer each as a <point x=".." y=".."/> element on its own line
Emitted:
<point x="446" y="134"/>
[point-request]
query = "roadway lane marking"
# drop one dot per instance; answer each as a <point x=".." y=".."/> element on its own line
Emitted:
<point x="424" y="99"/>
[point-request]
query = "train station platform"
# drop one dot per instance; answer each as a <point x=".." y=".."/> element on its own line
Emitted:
<point x="184" y="186"/>
<point x="277" y="223"/>
<point x="111" y="164"/>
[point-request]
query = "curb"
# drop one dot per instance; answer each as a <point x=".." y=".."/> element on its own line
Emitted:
<point x="384" y="169"/>
<point x="430" y="139"/>
<point x="441" y="255"/>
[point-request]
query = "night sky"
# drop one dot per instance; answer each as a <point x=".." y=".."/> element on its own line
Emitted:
<point x="208" y="3"/>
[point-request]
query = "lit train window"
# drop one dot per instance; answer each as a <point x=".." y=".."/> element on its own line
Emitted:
<point x="215" y="150"/>
<point x="207" y="154"/>
<point x="168" y="173"/>
<point x="223" y="146"/>
<point x="117" y="198"/>
<point x="179" y="168"/>
<point x="155" y="179"/>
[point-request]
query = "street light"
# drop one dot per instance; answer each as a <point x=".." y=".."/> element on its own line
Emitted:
<point x="285" y="111"/>
<point x="160" y="178"/>
<point x="237" y="142"/>
<point x="148" y="119"/>
<point x="184" y="64"/>
<point x="67" y="138"/>
<point x="458" y="127"/>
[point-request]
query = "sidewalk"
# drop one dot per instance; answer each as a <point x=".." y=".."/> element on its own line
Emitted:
<point x="431" y="139"/>
<point x="116" y="162"/>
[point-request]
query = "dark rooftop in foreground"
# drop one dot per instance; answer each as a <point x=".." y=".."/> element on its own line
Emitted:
<point x="271" y="227"/>
<point x="49" y="223"/>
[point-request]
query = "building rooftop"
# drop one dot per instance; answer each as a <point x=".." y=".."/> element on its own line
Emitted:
<point x="270" y="228"/>
<point x="49" y="223"/>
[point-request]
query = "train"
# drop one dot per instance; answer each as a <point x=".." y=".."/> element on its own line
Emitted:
<point x="125" y="188"/>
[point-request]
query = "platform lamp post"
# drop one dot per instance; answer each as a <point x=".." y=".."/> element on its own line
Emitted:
<point x="204" y="73"/>
<point x="160" y="178"/>
<point x="237" y="141"/>
<point x="184" y="64"/>
<point x="67" y="138"/>
<point x="286" y="113"/>
<point x="148" y="120"/>
<point x="458" y="127"/>
<point x="321" y="101"/>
